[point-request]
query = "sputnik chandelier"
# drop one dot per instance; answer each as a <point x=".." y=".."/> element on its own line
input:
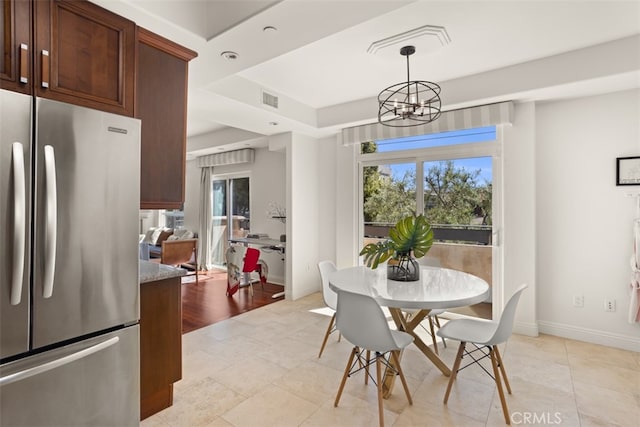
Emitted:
<point x="410" y="103"/>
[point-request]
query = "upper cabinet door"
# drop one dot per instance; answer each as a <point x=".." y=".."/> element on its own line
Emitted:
<point x="161" y="104"/>
<point x="84" y="55"/>
<point x="15" y="45"/>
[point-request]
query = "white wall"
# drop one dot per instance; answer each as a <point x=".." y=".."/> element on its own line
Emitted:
<point x="267" y="174"/>
<point x="327" y="187"/>
<point x="346" y="206"/>
<point x="584" y="221"/>
<point x="268" y="186"/>
<point x="303" y="231"/>
<point x="519" y="234"/>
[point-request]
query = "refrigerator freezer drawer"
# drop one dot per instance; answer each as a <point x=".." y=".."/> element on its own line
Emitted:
<point x="90" y="383"/>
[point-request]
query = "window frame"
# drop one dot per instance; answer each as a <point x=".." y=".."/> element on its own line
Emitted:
<point x="493" y="149"/>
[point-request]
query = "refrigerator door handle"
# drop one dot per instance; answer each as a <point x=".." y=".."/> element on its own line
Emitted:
<point x="21" y="375"/>
<point x="19" y="222"/>
<point x="51" y="221"/>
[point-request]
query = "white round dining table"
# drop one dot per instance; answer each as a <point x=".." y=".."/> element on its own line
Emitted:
<point x="437" y="288"/>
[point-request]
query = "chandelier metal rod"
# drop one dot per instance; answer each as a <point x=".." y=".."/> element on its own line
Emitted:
<point x="408" y="80"/>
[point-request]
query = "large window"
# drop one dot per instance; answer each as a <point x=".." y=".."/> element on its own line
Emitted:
<point x="458" y="199"/>
<point x="389" y="192"/>
<point x="450" y="177"/>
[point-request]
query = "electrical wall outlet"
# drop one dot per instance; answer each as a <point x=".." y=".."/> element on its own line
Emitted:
<point x="609" y="304"/>
<point x="578" y="301"/>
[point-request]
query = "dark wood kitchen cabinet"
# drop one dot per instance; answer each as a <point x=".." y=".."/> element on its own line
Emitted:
<point x="161" y="104"/>
<point x="160" y="343"/>
<point x="77" y="52"/>
<point x="80" y="53"/>
<point x="84" y="55"/>
<point x="15" y="45"/>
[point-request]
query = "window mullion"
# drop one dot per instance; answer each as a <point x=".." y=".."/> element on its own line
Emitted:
<point x="419" y="188"/>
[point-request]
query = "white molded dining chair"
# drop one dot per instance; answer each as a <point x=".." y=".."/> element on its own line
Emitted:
<point x="485" y="335"/>
<point x="329" y="296"/>
<point x="362" y="322"/>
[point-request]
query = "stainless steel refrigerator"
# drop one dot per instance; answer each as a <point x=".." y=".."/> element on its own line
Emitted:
<point x="69" y="292"/>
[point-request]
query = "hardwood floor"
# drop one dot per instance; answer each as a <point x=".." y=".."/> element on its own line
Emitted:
<point x="207" y="303"/>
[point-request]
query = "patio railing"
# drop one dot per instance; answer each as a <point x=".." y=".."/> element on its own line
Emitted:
<point x="473" y="234"/>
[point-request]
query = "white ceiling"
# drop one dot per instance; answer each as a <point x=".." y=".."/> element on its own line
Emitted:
<point x="317" y="61"/>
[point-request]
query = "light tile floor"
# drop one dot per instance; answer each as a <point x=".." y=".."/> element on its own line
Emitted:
<point x="262" y="369"/>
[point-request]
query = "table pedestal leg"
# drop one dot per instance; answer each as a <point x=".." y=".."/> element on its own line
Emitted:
<point x="408" y="326"/>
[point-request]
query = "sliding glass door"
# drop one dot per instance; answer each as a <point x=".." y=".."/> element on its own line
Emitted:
<point x="454" y="180"/>
<point x="231" y="213"/>
<point x="458" y="203"/>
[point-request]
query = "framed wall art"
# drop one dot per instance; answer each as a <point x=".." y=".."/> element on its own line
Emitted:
<point x="628" y="170"/>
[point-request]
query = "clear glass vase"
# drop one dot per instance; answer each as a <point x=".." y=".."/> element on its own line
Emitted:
<point x="403" y="268"/>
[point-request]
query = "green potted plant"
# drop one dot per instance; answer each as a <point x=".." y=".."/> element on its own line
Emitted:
<point x="410" y="238"/>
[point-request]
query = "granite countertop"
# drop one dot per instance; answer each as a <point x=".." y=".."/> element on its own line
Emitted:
<point x="151" y="271"/>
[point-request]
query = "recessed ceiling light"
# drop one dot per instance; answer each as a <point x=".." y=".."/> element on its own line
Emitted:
<point x="273" y="123"/>
<point x="227" y="54"/>
<point x="269" y="29"/>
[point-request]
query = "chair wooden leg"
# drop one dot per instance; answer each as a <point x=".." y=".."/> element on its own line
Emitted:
<point x="433" y="335"/>
<point x="496" y="373"/>
<point x="454" y="370"/>
<point x="502" y="370"/>
<point x="379" y="387"/>
<point x="395" y="355"/>
<point x="346" y="374"/>
<point x="437" y="319"/>
<point x="366" y="368"/>
<point x="326" y="335"/>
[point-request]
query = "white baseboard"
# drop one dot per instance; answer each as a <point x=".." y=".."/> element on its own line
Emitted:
<point x="624" y="342"/>
<point x="276" y="280"/>
<point x="528" y="329"/>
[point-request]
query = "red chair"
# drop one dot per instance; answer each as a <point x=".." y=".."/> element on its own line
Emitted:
<point x="251" y="262"/>
<point x="250" y="265"/>
<point x="251" y="257"/>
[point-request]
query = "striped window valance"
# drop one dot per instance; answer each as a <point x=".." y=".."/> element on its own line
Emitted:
<point x="465" y="118"/>
<point x="245" y="155"/>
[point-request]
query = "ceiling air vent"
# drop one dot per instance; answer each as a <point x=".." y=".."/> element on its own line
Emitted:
<point x="269" y="99"/>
